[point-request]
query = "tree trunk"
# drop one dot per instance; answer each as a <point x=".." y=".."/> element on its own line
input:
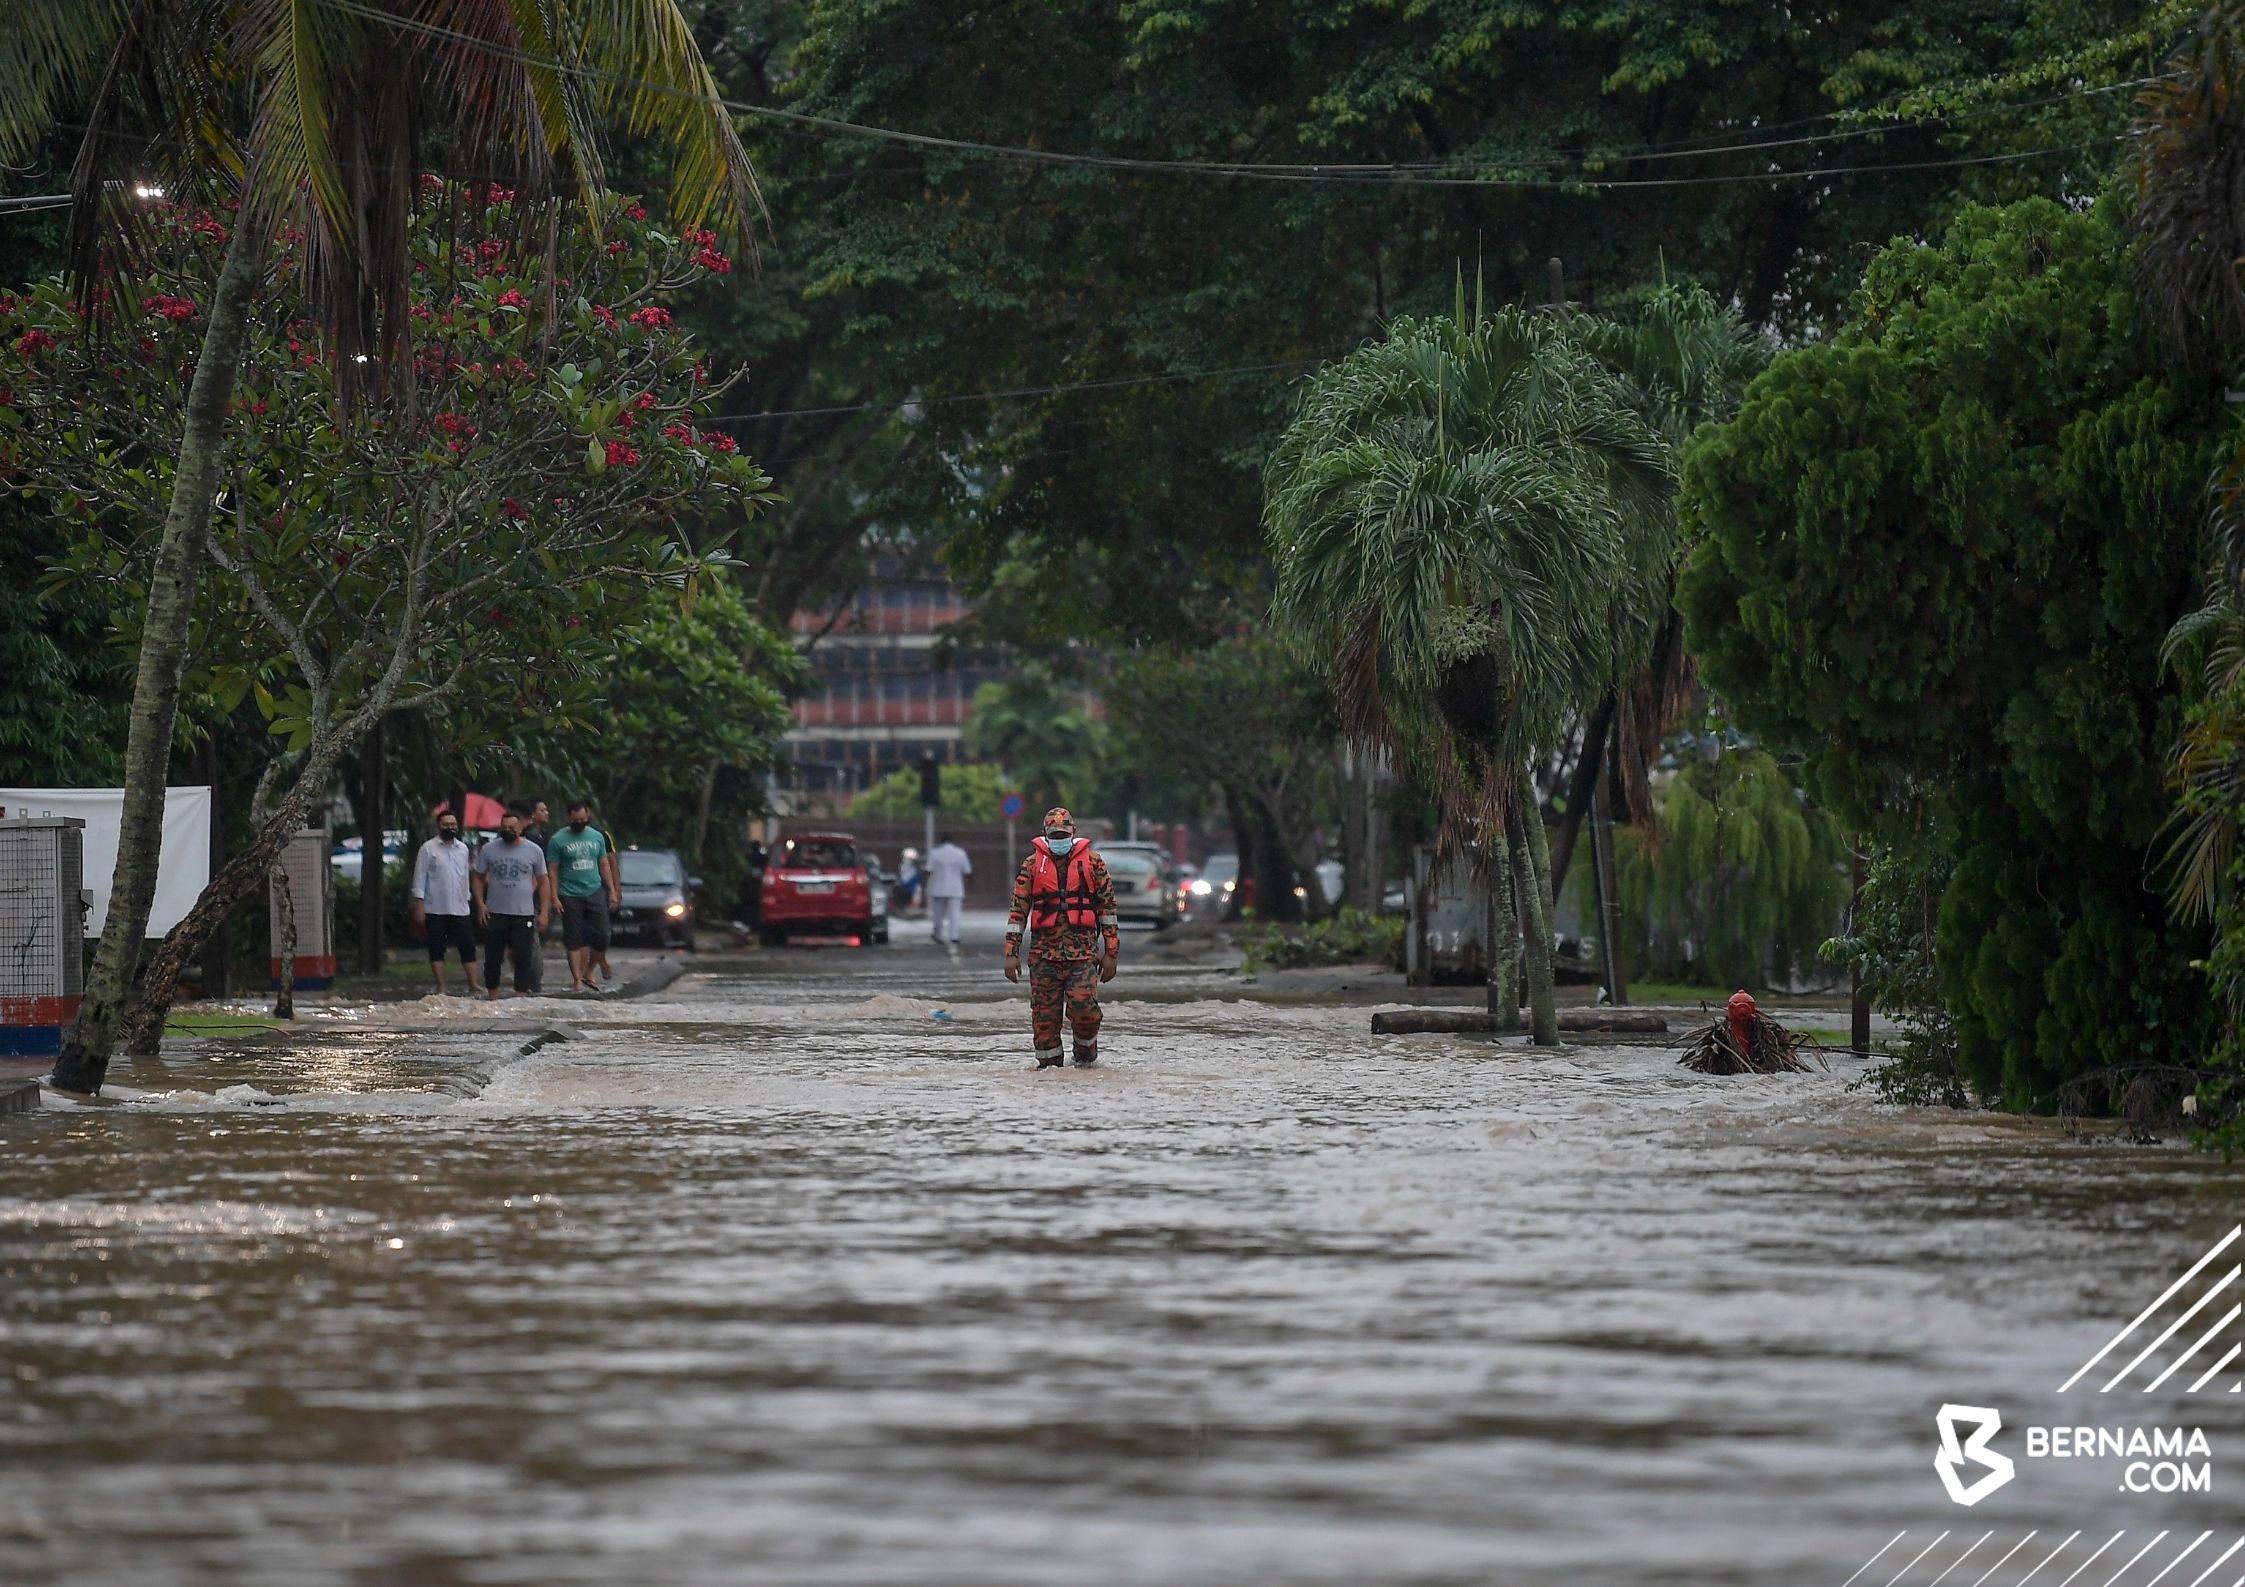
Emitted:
<point x="374" y="799"/>
<point x="1534" y="858"/>
<point x="144" y="1029"/>
<point x="84" y="1061"/>
<point x="284" y="905"/>
<point x="698" y="851"/>
<point x="1504" y="938"/>
<point x="1582" y="785"/>
<point x="216" y="959"/>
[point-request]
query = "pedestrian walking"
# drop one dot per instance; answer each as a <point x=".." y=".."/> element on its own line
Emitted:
<point x="585" y="882"/>
<point x="536" y="828"/>
<point x="443" y="904"/>
<point x="1063" y="894"/>
<point x="512" y="898"/>
<point x="948" y="870"/>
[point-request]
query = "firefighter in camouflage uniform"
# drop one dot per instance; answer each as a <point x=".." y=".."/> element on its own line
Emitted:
<point x="1062" y="894"/>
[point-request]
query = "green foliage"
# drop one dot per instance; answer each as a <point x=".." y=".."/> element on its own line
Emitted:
<point x="2221" y="1094"/>
<point x="1244" y="717"/>
<point x="1131" y="511"/>
<point x="692" y="705"/>
<point x="1040" y="728"/>
<point x="63" y="691"/>
<point x="1937" y="555"/>
<point x="1349" y="937"/>
<point x="970" y="793"/>
<point x="1468" y="521"/>
<point x="565" y="448"/>
<point x="1747" y="880"/>
<point x="1890" y="944"/>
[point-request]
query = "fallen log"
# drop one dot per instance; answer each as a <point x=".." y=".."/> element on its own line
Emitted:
<point x="1471" y="1022"/>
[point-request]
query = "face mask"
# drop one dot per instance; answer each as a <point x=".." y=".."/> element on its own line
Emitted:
<point x="578" y="826"/>
<point x="1059" y="846"/>
<point x="448" y="835"/>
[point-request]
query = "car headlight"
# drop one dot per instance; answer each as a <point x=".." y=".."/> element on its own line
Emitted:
<point x="1201" y="889"/>
<point x="675" y="908"/>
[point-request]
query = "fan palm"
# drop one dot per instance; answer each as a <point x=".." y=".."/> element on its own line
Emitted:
<point x="1685" y="360"/>
<point x="317" y="114"/>
<point x="1464" y="518"/>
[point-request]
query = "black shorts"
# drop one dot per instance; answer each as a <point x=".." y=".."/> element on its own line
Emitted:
<point x="584" y="922"/>
<point x="450" y="931"/>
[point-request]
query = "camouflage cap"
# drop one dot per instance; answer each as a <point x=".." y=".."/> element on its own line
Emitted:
<point x="1058" y="817"/>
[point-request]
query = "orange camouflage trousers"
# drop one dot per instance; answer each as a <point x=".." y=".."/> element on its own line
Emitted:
<point x="1069" y="986"/>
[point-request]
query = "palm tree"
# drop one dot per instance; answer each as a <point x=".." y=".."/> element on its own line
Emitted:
<point x="1685" y="360"/>
<point x="319" y="114"/>
<point x="1464" y="518"/>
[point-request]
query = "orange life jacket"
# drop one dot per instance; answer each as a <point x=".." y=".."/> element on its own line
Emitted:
<point x="1056" y="900"/>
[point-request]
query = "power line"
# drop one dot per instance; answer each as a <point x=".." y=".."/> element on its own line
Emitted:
<point x="1110" y="383"/>
<point x="1417" y="175"/>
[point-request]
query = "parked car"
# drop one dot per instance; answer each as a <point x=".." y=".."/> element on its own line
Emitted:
<point x="816" y="886"/>
<point x="657" y="898"/>
<point x="1146" y="882"/>
<point x="349" y="856"/>
<point x="1212" y="889"/>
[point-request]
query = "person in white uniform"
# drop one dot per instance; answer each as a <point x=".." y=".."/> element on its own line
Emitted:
<point x="948" y="870"/>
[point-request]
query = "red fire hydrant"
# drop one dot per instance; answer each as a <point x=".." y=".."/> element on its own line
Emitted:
<point x="1741" y="1008"/>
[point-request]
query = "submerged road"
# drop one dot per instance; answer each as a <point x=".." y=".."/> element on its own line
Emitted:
<point x="778" y="1276"/>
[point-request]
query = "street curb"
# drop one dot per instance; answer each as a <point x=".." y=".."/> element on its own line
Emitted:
<point x="653" y="981"/>
<point x="18" y="1096"/>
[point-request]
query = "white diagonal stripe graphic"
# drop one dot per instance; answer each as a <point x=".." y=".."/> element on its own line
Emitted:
<point x="2216" y="1367"/>
<point x="1961" y="1558"/>
<point x="2221" y="1245"/>
<point x="1875" y="1558"/>
<point x="2131" y="1565"/>
<point x="1999" y="1564"/>
<point x="2046" y="1559"/>
<point x="2217" y="1565"/>
<point x="2168" y="1333"/>
<point x="2204" y="1340"/>
<point x="2092" y="1559"/>
<point x="1913" y="1565"/>
<point x="2179" y="1558"/>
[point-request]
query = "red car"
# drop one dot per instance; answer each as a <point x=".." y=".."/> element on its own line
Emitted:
<point x="815" y="886"/>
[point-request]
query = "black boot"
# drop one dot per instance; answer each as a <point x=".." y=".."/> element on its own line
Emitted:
<point x="1049" y="1060"/>
<point x="1086" y="1056"/>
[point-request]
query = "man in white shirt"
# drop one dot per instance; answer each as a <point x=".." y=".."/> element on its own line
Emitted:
<point x="948" y="870"/>
<point x="441" y="902"/>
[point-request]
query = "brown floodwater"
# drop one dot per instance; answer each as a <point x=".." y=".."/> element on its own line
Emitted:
<point x="772" y="1281"/>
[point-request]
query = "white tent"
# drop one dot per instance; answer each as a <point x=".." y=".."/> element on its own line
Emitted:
<point x="181" y="873"/>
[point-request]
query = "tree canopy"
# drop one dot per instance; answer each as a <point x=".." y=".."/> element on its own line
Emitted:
<point x="1938" y="555"/>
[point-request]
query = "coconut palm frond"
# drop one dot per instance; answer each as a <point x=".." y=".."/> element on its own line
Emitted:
<point x="2189" y="166"/>
<point x="653" y="79"/>
<point x="52" y="52"/>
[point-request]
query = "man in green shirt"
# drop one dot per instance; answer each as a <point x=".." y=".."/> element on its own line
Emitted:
<point x="584" y="869"/>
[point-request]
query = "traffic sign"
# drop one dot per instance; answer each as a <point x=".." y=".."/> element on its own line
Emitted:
<point x="1011" y="805"/>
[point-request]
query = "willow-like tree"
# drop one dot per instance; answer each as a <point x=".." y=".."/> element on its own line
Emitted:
<point x="317" y="115"/>
<point x="1465" y="518"/>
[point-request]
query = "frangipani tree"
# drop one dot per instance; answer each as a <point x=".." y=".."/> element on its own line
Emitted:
<point x="497" y="526"/>
<point x="317" y="115"/>
<point x="1465" y="521"/>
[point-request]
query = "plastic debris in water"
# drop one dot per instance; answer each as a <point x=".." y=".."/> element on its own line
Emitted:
<point x="943" y="1014"/>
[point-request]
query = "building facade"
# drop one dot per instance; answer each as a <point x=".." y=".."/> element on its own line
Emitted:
<point x="880" y="700"/>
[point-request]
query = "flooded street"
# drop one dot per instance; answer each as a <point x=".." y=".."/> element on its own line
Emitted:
<point x="779" y="1277"/>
